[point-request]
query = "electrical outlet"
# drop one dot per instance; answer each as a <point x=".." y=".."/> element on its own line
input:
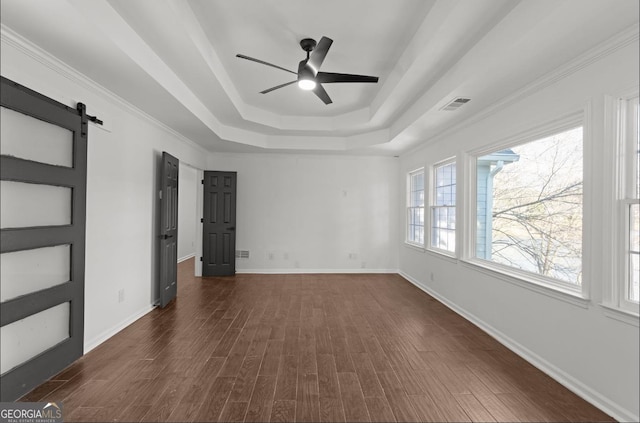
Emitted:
<point x="433" y="278"/>
<point x="121" y="295"/>
<point x="270" y="256"/>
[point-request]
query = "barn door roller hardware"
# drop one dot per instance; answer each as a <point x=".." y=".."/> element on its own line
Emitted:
<point x="82" y="109"/>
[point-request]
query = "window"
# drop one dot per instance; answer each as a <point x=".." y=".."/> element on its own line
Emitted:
<point x="529" y="208"/>
<point x="621" y="228"/>
<point x="443" y="207"/>
<point x="415" y="208"/>
<point x="630" y="179"/>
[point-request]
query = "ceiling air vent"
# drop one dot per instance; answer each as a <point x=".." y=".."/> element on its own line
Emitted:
<point x="455" y="103"/>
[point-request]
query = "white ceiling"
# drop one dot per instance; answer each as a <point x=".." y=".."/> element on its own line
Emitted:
<point x="175" y="60"/>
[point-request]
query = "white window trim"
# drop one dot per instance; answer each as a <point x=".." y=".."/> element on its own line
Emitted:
<point x="577" y="295"/>
<point x="430" y="204"/>
<point x="616" y="233"/>
<point x="624" y="303"/>
<point x="616" y="313"/>
<point x="530" y="281"/>
<point x="407" y="241"/>
<point x="412" y="246"/>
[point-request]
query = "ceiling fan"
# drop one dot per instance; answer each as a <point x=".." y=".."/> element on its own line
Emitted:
<point x="309" y="76"/>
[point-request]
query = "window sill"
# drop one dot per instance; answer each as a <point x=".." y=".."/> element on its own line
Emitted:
<point x="621" y="315"/>
<point x="441" y="254"/>
<point x="529" y="283"/>
<point x="416" y="247"/>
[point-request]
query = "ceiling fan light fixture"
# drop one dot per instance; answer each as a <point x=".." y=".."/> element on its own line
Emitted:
<point x="306" y="84"/>
<point x="309" y="76"/>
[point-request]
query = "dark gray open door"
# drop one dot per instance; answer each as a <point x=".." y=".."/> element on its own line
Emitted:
<point x="219" y="224"/>
<point x="43" y="173"/>
<point x="168" y="229"/>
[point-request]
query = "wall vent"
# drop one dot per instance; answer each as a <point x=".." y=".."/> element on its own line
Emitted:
<point x="455" y="103"/>
<point x="242" y="254"/>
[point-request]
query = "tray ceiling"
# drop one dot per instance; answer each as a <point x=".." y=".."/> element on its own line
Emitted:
<point x="176" y="61"/>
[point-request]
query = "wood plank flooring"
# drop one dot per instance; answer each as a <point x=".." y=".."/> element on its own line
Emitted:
<point x="306" y="348"/>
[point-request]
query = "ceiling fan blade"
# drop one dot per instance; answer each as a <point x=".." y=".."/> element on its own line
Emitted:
<point x="268" y="90"/>
<point x="329" y="77"/>
<point x="318" y="54"/>
<point x="320" y="92"/>
<point x="242" y="56"/>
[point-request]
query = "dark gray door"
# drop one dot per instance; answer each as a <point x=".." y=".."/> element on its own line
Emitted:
<point x="168" y="229"/>
<point x="219" y="224"/>
<point x="43" y="172"/>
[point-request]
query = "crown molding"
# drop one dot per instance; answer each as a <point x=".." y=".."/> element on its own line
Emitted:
<point x="12" y="38"/>
<point x="600" y="51"/>
<point x="310" y="143"/>
<point x="368" y="138"/>
<point x="192" y="27"/>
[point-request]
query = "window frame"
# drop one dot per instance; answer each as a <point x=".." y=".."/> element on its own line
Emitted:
<point x="432" y="180"/>
<point x="409" y="207"/>
<point x="575" y="294"/>
<point x="626" y="143"/>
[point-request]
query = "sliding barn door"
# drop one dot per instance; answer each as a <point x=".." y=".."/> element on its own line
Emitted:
<point x="43" y="167"/>
<point x="219" y="224"/>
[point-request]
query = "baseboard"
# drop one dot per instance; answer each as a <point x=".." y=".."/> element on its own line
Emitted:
<point x="574" y="385"/>
<point x="181" y="259"/>
<point x="97" y="340"/>
<point x="305" y="271"/>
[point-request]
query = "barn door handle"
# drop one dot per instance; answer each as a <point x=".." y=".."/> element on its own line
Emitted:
<point x="231" y="228"/>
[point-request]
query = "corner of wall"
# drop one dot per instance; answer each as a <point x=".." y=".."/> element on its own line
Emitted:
<point x="596" y="398"/>
<point x="105" y="335"/>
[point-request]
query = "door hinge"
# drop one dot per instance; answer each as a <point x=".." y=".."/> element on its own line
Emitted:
<point x="200" y="258"/>
<point x="160" y="194"/>
<point x="202" y="220"/>
<point x="202" y="182"/>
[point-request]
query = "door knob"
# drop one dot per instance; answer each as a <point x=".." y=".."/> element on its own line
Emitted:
<point x="231" y="228"/>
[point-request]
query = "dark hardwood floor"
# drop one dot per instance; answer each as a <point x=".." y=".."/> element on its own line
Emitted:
<point x="306" y="348"/>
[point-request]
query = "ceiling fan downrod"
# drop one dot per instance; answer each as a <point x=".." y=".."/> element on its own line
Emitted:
<point x="308" y="44"/>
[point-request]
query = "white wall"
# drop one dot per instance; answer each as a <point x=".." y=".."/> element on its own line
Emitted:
<point x="121" y="192"/>
<point x="304" y="213"/>
<point x="187" y="214"/>
<point x="593" y="354"/>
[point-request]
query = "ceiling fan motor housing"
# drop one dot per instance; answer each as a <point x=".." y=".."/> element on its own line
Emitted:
<point x="308" y="44"/>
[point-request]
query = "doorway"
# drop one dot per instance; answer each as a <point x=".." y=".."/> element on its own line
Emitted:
<point x="168" y="196"/>
<point x="219" y="224"/>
